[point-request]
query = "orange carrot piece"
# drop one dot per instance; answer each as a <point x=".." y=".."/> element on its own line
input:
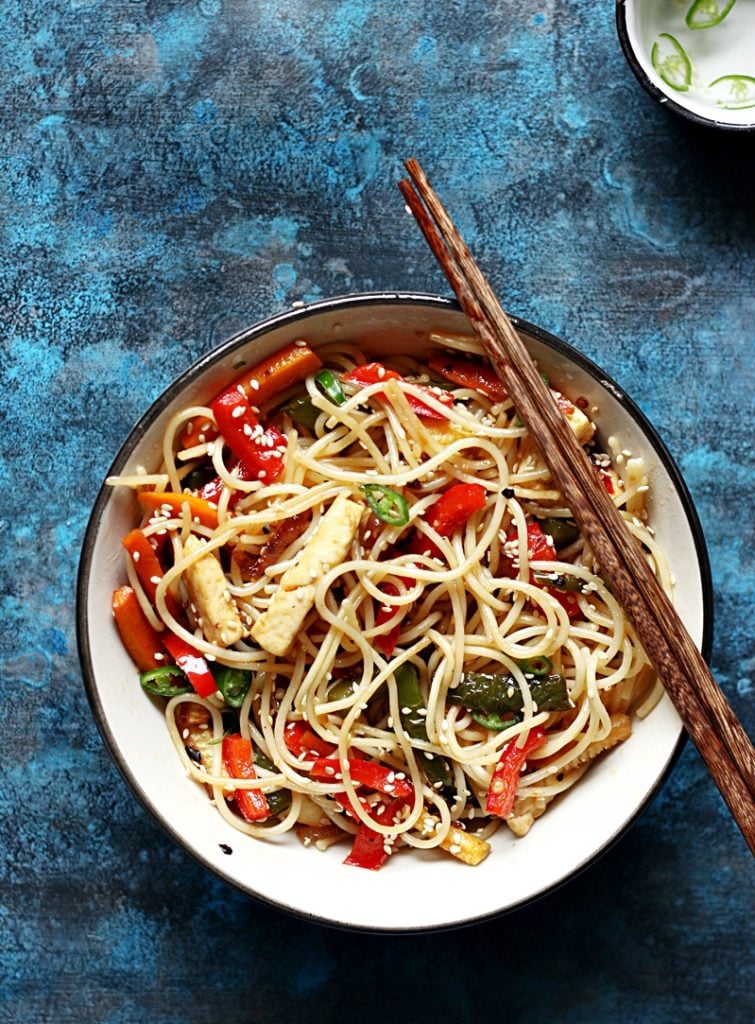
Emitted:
<point x="139" y="638"/>
<point x="276" y="373"/>
<point x="148" y="568"/>
<point x="197" y="430"/>
<point x="199" y="509"/>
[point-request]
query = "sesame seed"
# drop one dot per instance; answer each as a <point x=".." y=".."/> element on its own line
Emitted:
<point x="238" y="411"/>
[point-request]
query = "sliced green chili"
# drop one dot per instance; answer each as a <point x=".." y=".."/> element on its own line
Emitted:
<point x="563" y="531"/>
<point x="493" y="721"/>
<point x="330" y="386"/>
<point x="233" y="683"/>
<point x="707" y="13"/>
<point x="166" y="681"/>
<point x="670" y="60"/>
<point x="539" y="666"/>
<point x="736" y="92"/>
<point x="559" y="581"/>
<point x="387" y="505"/>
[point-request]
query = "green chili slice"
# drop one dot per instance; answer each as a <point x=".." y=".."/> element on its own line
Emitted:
<point x="330" y="386"/>
<point x="166" y="681"/>
<point x="233" y="683"/>
<point x="302" y="411"/>
<point x="707" y="13"/>
<point x="538" y="667"/>
<point x="734" y="92"/>
<point x="563" y="531"/>
<point x="670" y="60"/>
<point x="387" y="505"/>
<point x="492" y="721"/>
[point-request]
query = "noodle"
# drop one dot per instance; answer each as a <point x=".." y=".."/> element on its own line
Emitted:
<point x="350" y="589"/>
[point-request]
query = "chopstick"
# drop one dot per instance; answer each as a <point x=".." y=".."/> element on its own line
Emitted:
<point x="705" y="713"/>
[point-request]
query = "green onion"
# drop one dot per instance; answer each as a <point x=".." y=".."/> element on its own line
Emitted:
<point x="493" y="721"/>
<point x="671" y="62"/>
<point x="387" y="505"/>
<point x="539" y="666"/>
<point x="707" y="13"/>
<point x="166" y="681"/>
<point x="233" y="683"/>
<point x="736" y="92"/>
<point x="330" y="386"/>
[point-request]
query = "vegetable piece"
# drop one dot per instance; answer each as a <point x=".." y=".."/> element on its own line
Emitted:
<point x="372" y="849"/>
<point x="373" y="373"/>
<point x="734" y="92"/>
<point x="302" y="740"/>
<point x="302" y="411"/>
<point x="368" y="773"/>
<point x="262" y="451"/>
<point x="197" y="430"/>
<point x="148" y="567"/>
<point x="237" y="758"/>
<point x="500" y="694"/>
<point x="670" y="60"/>
<point x="492" y="721"/>
<point x="278" y="372"/>
<point x="386" y="642"/>
<point x="538" y="666"/>
<point x="540" y="548"/>
<point x="562" y="532"/>
<point x="279" y="625"/>
<point x="468" y="848"/>
<point x="330" y="386"/>
<point x="233" y="683"/>
<point x="213" y="488"/>
<point x="166" y="681"/>
<point x="412" y="702"/>
<point x="143" y="643"/>
<point x="208" y="592"/>
<point x="707" y="13"/>
<point x="454" y="507"/>
<point x="173" y="504"/>
<point x="505" y="780"/>
<point x="193" y="664"/>
<point x="388" y="505"/>
<point x="468" y="373"/>
<point x="252" y="567"/>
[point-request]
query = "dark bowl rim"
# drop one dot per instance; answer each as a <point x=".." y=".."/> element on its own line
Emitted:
<point x="650" y="87"/>
<point x="257" y="330"/>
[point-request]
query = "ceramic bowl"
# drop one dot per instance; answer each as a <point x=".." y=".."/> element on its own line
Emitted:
<point x="696" y="58"/>
<point x="422" y="890"/>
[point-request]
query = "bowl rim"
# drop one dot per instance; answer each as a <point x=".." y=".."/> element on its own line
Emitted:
<point x="650" y="87"/>
<point x="243" y="337"/>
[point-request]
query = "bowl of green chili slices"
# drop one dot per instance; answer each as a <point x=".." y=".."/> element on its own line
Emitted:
<point x="416" y="889"/>
<point x="696" y="57"/>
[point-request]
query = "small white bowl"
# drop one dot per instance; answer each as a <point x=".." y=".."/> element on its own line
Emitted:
<point x="715" y="55"/>
<point x="416" y="891"/>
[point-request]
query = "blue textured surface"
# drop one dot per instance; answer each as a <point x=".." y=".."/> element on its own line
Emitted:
<point x="175" y="170"/>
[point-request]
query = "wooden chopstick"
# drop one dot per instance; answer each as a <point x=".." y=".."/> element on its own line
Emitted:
<point x="707" y="716"/>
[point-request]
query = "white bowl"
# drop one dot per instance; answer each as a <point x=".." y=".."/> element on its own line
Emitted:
<point x="417" y="891"/>
<point x="714" y="53"/>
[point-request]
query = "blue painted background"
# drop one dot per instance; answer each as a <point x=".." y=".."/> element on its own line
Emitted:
<point x="173" y="170"/>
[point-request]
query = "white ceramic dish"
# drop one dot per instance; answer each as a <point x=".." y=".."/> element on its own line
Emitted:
<point x="413" y="892"/>
<point x="714" y="53"/>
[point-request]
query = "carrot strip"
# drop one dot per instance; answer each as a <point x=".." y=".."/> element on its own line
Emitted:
<point x="276" y="373"/>
<point x="197" y="430"/>
<point x="139" y="638"/>
<point x="147" y="567"/>
<point x="199" y="509"/>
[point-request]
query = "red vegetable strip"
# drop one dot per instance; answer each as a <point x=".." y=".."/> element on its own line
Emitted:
<point x="540" y="548"/>
<point x="197" y="430"/>
<point x="237" y="758"/>
<point x="213" y="489"/>
<point x="505" y="780"/>
<point x="300" y="739"/>
<point x="199" y="509"/>
<point x="370" y="848"/>
<point x="374" y="373"/>
<point x="468" y="373"/>
<point x="369" y="773"/>
<point x="261" y="451"/>
<point x="142" y="642"/>
<point x="192" y="664"/>
<point x="276" y="373"/>
<point x="454" y="507"/>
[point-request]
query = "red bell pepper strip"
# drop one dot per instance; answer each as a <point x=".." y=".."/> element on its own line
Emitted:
<point x="468" y="373"/>
<point x="374" y="373"/>
<point x="368" y="773"/>
<point x="300" y="739"/>
<point x="192" y="663"/>
<point x="540" y="548"/>
<point x="505" y="780"/>
<point x="262" y="451"/>
<point x="213" y="489"/>
<point x="386" y="642"/>
<point x="447" y="515"/>
<point x="143" y="643"/>
<point x="237" y="758"/>
<point x="370" y="848"/>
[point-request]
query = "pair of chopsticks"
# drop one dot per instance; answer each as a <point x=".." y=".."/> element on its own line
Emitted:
<point x="707" y="717"/>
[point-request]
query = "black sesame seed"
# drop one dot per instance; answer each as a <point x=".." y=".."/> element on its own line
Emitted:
<point x="225" y="848"/>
